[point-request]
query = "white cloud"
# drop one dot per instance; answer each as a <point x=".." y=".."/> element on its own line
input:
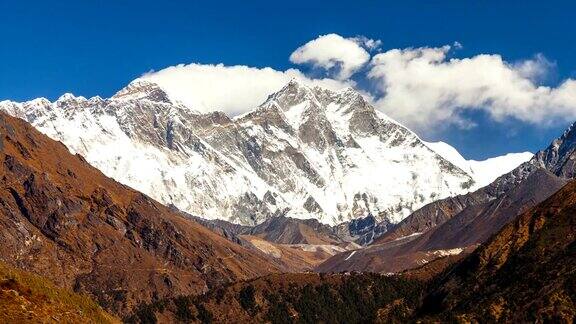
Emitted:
<point x="231" y="89"/>
<point x="536" y="69"/>
<point x="424" y="89"/>
<point x="334" y="52"/>
<point x="367" y="43"/>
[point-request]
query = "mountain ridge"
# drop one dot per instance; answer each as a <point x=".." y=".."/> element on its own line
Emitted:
<point x="304" y="153"/>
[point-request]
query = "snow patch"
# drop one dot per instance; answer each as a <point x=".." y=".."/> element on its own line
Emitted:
<point x="486" y="171"/>
<point x="349" y="256"/>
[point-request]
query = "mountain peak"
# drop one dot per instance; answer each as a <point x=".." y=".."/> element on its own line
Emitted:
<point x="297" y="91"/>
<point x="69" y="97"/>
<point x="38" y="102"/>
<point x="292" y="94"/>
<point x="351" y="95"/>
<point x="295" y="87"/>
<point x="349" y="91"/>
<point x="559" y="157"/>
<point x="65" y="97"/>
<point x="294" y="82"/>
<point x="143" y="89"/>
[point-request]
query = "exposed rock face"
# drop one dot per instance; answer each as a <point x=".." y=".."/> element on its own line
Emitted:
<point x="560" y="156"/>
<point x="304" y="153"/>
<point x="62" y="218"/>
<point x="363" y="230"/>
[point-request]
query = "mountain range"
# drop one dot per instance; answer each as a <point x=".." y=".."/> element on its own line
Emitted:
<point x="306" y="152"/>
<point x="396" y="229"/>
<point x="63" y="219"/>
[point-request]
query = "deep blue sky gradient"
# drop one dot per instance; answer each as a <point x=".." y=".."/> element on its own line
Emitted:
<point x="91" y="47"/>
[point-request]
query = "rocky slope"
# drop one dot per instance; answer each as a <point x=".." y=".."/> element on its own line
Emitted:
<point x="458" y="224"/>
<point x="62" y="218"/>
<point x="305" y="153"/>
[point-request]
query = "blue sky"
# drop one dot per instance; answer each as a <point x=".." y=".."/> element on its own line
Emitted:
<point x="96" y="47"/>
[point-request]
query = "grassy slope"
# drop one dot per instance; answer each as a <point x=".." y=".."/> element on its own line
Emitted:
<point x="25" y="297"/>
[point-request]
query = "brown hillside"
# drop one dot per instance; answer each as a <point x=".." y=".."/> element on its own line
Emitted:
<point x="525" y="273"/>
<point x="62" y="218"/>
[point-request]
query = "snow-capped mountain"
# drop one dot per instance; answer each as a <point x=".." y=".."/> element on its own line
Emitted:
<point x="304" y="153"/>
<point x="486" y="171"/>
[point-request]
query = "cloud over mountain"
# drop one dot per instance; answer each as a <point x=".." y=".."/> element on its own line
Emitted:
<point x="231" y="89"/>
<point x="334" y="52"/>
<point x="426" y="88"/>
